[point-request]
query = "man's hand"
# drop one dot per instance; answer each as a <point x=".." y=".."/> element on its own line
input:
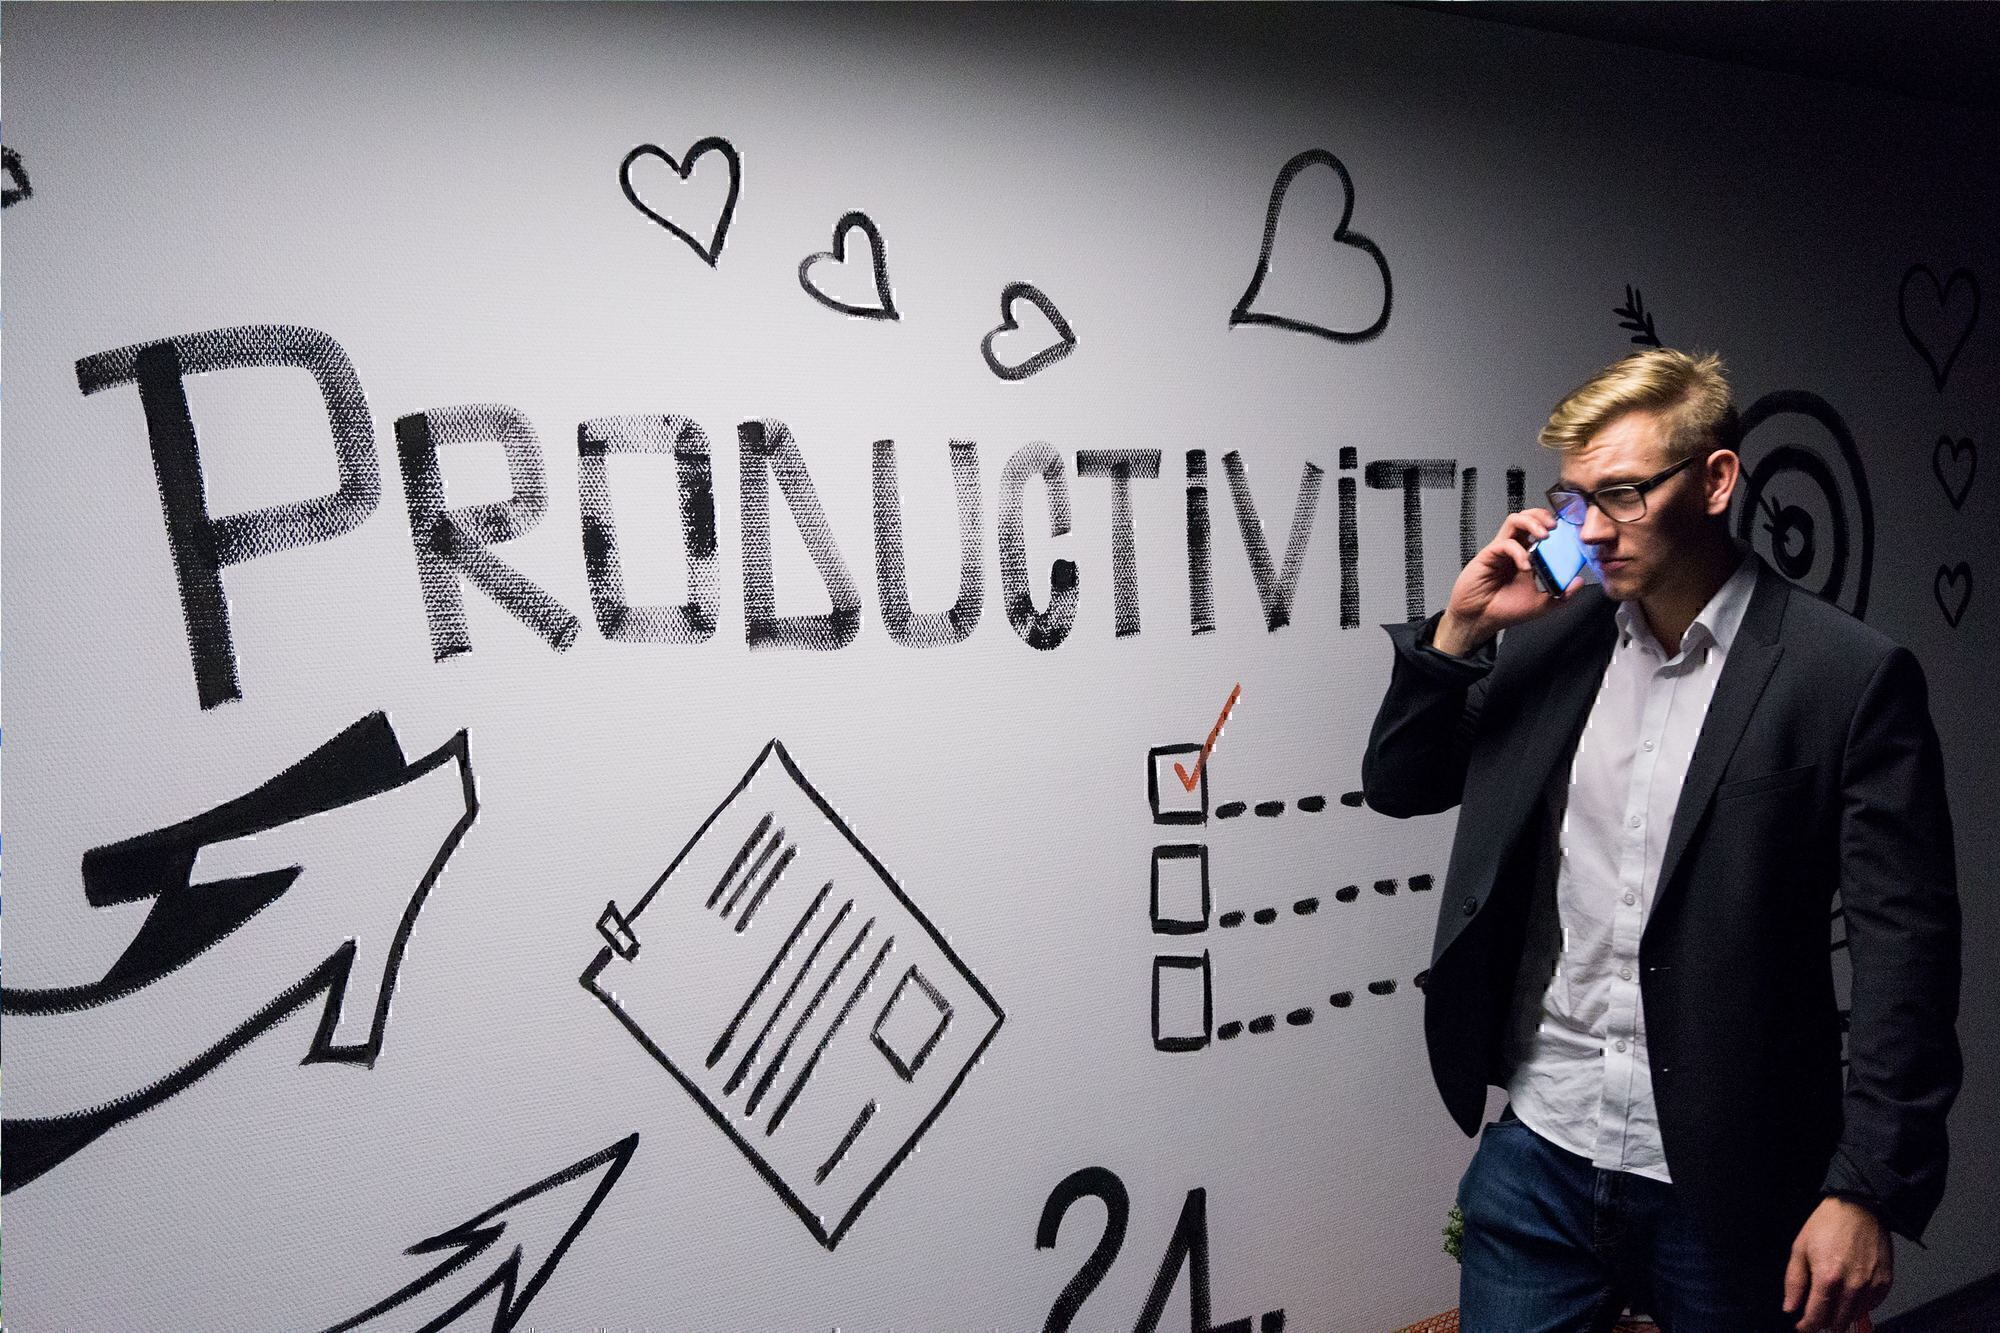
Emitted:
<point x="1841" y="1268"/>
<point x="1496" y="588"/>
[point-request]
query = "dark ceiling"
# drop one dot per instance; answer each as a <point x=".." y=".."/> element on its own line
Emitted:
<point x="1945" y="51"/>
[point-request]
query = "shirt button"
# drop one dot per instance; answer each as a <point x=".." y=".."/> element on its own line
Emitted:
<point x="1633" y="821"/>
<point x="1621" y="1045"/>
<point x="1648" y="745"/>
<point x="1631" y="898"/>
<point x="1624" y="974"/>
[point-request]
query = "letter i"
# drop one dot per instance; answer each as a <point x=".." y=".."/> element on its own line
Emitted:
<point x="1350" y="544"/>
<point x="1468" y="514"/>
<point x="1201" y="589"/>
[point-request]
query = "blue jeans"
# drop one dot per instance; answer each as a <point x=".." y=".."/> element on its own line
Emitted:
<point x="1554" y="1244"/>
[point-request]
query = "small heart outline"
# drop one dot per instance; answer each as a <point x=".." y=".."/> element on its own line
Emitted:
<point x="1042" y="360"/>
<point x="1939" y="374"/>
<point x="854" y="220"/>
<point x="711" y="252"/>
<point x="1342" y="235"/>
<point x="1963" y="445"/>
<point x="1951" y="576"/>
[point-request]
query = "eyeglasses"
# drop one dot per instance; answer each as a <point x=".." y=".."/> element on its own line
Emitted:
<point x="1621" y="504"/>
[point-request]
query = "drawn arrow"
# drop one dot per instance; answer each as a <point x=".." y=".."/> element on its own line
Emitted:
<point x="323" y="854"/>
<point x="522" y="1225"/>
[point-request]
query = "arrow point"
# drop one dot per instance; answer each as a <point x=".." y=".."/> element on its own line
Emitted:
<point x="535" y="1227"/>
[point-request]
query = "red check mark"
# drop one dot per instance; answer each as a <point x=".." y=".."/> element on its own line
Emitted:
<point x="1188" y="779"/>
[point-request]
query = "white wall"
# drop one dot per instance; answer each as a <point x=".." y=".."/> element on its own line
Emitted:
<point x="437" y="191"/>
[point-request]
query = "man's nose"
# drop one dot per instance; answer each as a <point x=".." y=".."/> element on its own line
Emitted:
<point x="1597" y="529"/>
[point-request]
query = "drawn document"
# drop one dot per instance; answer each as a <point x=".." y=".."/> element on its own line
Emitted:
<point x="783" y="978"/>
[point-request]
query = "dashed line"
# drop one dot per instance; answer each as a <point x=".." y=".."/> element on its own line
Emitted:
<point x="1266" y="916"/>
<point x="1303" y="1016"/>
<point x="1311" y="805"/>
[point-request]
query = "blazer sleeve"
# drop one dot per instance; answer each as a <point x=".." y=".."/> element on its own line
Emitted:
<point x="1422" y="737"/>
<point x="1898" y="884"/>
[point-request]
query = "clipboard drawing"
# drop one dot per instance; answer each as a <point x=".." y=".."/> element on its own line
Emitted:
<point x="782" y="977"/>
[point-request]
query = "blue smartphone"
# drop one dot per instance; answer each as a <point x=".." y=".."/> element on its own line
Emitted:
<point x="1558" y="558"/>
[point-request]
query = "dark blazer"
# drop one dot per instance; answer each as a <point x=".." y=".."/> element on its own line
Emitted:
<point x="1817" y="772"/>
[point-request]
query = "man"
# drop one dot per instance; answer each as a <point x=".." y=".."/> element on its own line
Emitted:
<point x="1665" y="782"/>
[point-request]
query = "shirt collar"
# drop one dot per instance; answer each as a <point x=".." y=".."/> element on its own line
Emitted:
<point x="1715" y="623"/>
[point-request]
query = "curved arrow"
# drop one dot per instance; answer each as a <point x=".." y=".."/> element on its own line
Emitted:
<point x="525" y="1213"/>
<point x="303" y="855"/>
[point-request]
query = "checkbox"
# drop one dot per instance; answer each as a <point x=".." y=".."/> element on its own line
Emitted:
<point x="1180" y="888"/>
<point x="1171" y="800"/>
<point x="1183" y="1003"/>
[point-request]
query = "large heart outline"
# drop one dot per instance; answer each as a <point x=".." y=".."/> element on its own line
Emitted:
<point x="1939" y="373"/>
<point x="1041" y="360"/>
<point x="1954" y="448"/>
<point x="1342" y="235"/>
<point x="712" y="144"/>
<point x="1958" y="576"/>
<point x="853" y="221"/>
<point x="17" y="187"/>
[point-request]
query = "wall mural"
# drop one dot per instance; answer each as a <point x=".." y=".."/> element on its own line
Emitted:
<point x="1247" y="309"/>
<point x="896" y="1065"/>
<point x="710" y="250"/>
<point x="968" y="595"/>
<point x="1938" y="319"/>
<point x="16" y="173"/>
<point x="878" y="262"/>
<point x="467" y="1282"/>
<point x="224" y="891"/>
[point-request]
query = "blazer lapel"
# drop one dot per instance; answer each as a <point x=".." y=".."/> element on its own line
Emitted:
<point x="1752" y="659"/>
<point x="1574" y="670"/>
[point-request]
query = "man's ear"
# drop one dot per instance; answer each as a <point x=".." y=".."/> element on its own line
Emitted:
<point x="1720" y="473"/>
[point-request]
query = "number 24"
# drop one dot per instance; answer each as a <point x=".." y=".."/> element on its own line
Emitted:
<point x="1189" y="1246"/>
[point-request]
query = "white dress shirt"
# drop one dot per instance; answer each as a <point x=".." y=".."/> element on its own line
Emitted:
<point x="1580" y="1077"/>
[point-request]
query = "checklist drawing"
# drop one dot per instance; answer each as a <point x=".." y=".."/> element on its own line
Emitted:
<point x="783" y="978"/>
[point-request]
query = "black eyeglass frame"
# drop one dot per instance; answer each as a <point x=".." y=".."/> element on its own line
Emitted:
<point x="1638" y="489"/>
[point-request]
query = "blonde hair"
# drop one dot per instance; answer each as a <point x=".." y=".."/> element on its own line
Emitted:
<point x="1689" y="393"/>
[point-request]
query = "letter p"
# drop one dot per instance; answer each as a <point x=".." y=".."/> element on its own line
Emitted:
<point x="201" y="544"/>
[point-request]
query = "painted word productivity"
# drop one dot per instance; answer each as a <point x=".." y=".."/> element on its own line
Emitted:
<point x="458" y="546"/>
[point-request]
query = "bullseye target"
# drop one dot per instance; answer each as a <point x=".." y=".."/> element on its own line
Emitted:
<point x="1804" y="503"/>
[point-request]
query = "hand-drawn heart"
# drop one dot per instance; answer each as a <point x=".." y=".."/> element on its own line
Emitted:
<point x="1956" y="487"/>
<point x="1929" y="325"/>
<point x="1958" y="579"/>
<point x="855" y="221"/>
<point x="1342" y="235"/>
<point x="1041" y="360"/>
<point x="17" y="187"/>
<point x="684" y="169"/>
